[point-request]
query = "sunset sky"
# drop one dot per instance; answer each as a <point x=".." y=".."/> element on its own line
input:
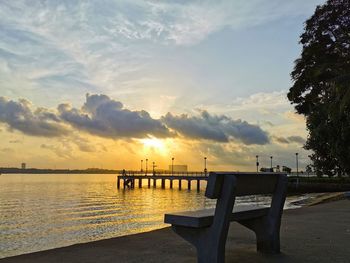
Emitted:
<point x="108" y="83"/>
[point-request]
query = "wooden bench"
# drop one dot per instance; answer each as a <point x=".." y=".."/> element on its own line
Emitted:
<point x="207" y="229"/>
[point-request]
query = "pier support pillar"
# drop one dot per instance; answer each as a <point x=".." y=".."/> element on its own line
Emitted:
<point x="140" y="182"/>
<point x="180" y="184"/>
<point x="171" y="183"/>
<point x="189" y="184"/>
<point x="149" y="182"/>
<point x="154" y="182"/>
<point x="118" y="183"/>
<point x="198" y="185"/>
<point x="163" y="183"/>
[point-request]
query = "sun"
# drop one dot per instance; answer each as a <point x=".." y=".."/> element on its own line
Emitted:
<point x="154" y="144"/>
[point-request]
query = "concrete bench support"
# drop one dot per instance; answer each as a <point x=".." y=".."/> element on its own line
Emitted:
<point x="207" y="229"/>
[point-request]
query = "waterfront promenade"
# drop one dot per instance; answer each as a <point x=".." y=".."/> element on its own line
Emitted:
<point x="319" y="233"/>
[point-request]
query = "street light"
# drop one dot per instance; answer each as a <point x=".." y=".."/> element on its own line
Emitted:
<point x="205" y="165"/>
<point x="154" y="166"/>
<point x="172" y="166"/>
<point x="271" y="163"/>
<point x="257" y="163"/>
<point x="146" y="166"/>
<point x="297" y="161"/>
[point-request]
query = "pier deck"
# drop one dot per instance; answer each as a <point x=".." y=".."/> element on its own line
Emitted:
<point x="128" y="180"/>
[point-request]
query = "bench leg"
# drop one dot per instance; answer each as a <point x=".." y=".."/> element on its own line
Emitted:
<point x="267" y="228"/>
<point x="268" y="243"/>
<point x="267" y="234"/>
<point x="210" y="248"/>
<point x="210" y="241"/>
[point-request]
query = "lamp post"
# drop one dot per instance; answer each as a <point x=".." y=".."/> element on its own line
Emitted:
<point x="205" y="165"/>
<point x="141" y="166"/>
<point x="271" y="163"/>
<point x="172" y="166"/>
<point x="257" y="163"/>
<point x="154" y="166"/>
<point x="297" y="161"/>
<point x="146" y="166"/>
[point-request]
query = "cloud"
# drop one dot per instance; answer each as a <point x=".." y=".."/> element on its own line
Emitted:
<point x="91" y="46"/>
<point x="63" y="151"/>
<point x="105" y="117"/>
<point x="7" y="150"/>
<point x="181" y="22"/>
<point x="297" y="139"/>
<point x="281" y="140"/>
<point x="220" y="154"/>
<point x="216" y="128"/>
<point x="290" y="139"/>
<point x="295" y="117"/>
<point x="83" y="144"/>
<point x="187" y="23"/>
<point x="15" y="141"/>
<point x="20" y="116"/>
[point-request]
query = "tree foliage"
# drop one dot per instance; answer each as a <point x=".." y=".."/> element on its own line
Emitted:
<point x="321" y="86"/>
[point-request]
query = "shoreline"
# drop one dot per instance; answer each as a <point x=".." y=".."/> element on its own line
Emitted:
<point x="320" y="198"/>
<point x="163" y="245"/>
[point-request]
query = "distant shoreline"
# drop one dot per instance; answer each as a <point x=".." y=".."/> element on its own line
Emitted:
<point x="305" y="184"/>
<point x="12" y="170"/>
<point x="57" y="171"/>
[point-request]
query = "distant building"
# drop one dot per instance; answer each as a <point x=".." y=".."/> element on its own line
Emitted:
<point x="23" y="165"/>
<point x="178" y="168"/>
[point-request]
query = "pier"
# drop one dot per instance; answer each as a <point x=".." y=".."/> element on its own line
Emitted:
<point x="129" y="180"/>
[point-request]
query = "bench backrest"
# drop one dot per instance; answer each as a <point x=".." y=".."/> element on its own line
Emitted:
<point x="245" y="183"/>
<point x="226" y="186"/>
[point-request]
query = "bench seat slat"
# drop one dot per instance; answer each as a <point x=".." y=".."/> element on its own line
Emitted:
<point x="204" y="217"/>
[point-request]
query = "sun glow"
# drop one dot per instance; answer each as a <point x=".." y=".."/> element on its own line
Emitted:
<point x="154" y="144"/>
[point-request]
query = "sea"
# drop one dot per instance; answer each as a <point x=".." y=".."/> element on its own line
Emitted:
<point x="45" y="211"/>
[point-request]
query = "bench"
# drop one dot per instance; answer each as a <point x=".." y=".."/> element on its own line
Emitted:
<point x="207" y="229"/>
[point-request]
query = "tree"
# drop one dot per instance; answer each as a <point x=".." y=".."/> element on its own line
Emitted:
<point x="286" y="169"/>
<point x="308" y="169"/>
<point x="321" y="86"/>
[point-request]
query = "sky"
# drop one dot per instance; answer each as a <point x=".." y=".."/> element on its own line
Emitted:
<point x="106" y="84"/>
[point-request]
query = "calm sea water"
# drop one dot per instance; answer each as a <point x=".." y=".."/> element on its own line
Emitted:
<point x="39" y="212"/>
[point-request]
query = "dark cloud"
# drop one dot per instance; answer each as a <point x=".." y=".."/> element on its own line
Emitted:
<point x="281" y="140"/>
<point x="108" y="118"/>
<point x="102" y="116"/>
<point x="269" y="123"/>
<point x="216" y="128"/>
<point x="83" y="144"/>
<point x="221" y="154"/>
<point x="20" y="116"/>
<point x="290" y="139"/>
<point x="297" y="139"/>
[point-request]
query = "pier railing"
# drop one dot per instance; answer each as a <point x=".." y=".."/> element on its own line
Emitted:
<point x="128" y="178"/>
<point x="164" y="173"/>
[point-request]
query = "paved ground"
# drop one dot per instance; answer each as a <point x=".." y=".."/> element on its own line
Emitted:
<point x="312" y="234"/>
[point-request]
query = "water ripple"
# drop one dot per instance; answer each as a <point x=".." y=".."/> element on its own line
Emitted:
<point x="39" y="212"/>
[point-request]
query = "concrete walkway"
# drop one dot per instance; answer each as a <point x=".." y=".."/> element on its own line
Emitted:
<point x="312" y="234"/>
